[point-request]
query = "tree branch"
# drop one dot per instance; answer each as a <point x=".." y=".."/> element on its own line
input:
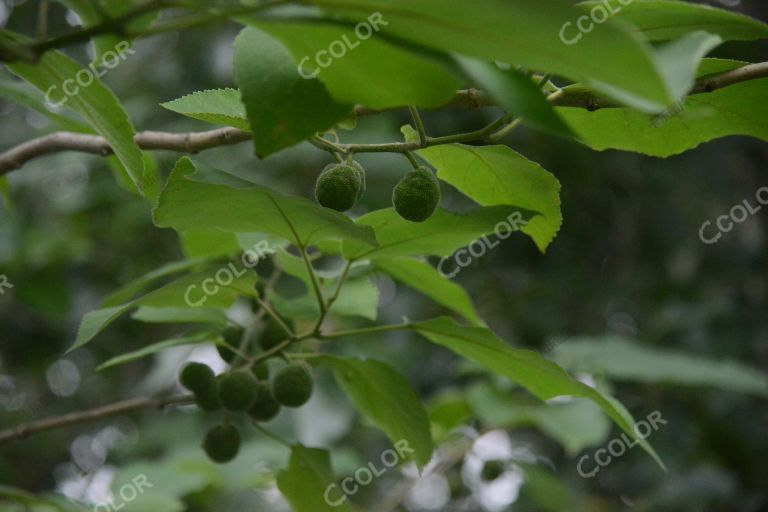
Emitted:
<point x="75" y="418"/>
<point x="572" y="96"/>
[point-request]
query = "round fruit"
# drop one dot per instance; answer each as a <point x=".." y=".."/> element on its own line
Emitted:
<point x="292" y="386"/>
<point x="265" y="408"/>
<point x="273" y="335"/>
<point x="237" y="390"/>
<point x="261" y="370"/>
<point x="417" y="195"/>
<point x="492" y="470"/>
<point x="338" y="186"/>
<point x="222" y="443"/>
<point x="207" y="399"/>
<point x="361" y="173"/>
<point x="197" y="376"/>
<point x="232" y="336"/>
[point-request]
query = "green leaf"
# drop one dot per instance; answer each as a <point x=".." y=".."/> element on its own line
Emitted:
<point x="216" y="106"/>
<point x="608" y="59"/>
<point x="306" y="482"/>
<point x="543" y="378"/>
<point x="517" y="94"/>
<point x="681" y="58"/>
<point x="283" y="108"/>
<point x="154" y="348"/>
<point x="661" y="20"/>
<point x="199" y="197"/>
<point x="387" y="399"/>
<point x="440" y="235"/>
<point x="96" y="103"/>
<point x="739" y="109"/>
<point x="26" y="95"/>
<point x="625" y="360"/>
<point x="180" y="315"/>
<point x="372" y="72"/>
<point x="498" y="175"/>
<point x="422" y="276"/>
<point x="130" y="290"/>
<point x="358" y="298"/>
<point x="186" y="291"/>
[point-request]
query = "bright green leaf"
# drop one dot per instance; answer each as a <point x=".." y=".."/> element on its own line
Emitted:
<point x="154" y="348"/>
<point x="216" y="106"/>
<point x="372" y="72"/>
<point x="422" y="276"/>
<point x="498" y="175"/>
<point x="387" y="399"/>
<point x="543" y="378"/>
<point x="198" y="197"/>
<point x="283" y="108"/>
<point x="307" y="480"/>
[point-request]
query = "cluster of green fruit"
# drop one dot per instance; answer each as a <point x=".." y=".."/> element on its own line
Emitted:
<point x="248" y="391"/>
<point x="415" y="198"/>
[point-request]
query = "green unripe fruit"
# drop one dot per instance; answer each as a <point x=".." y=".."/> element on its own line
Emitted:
<point x="261" y="370"/>
<point x="232" y="336"/>
<point x="265" y="407"/>
<point x="207" y="399"/>
<point x="222" y="443"/>
<point x="338" y="186"/>
<point x="492" y="470"/>
<point x="237" y="390"/>
<point x="273" y="335"/>
<point x="361" y="173"/>
<point x="417" y="195"/>
<point x="197" y="376"/>
<point x="292" y="386"/>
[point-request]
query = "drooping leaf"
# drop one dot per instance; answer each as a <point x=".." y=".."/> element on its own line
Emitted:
<point x="625" y="360"/>
<point x="96" y="103"/>
<point x="739" y="109"/>
<point x="661" y="20"/>
<point x="169" y="315"/>
<point x="216" y="106"/>
<point x="26" y="95"/>
<point x="387" y="399"/>
<point x="498" y="175"/>
<point x="530" y="33"/>
<point x="283" y="107"/>
<point x="681" y="58"/>
<point x="130" y="290"/>
<point x="371" y="71"/>
<point x="307" y="481"/>
<point x="189" y="291"/>
<point x="358" y="298"/>
<point x="199" y="197"/>
<point x="155" y="348"/>
<point x="543" y="378"/>
<point x="440" y="235"/>
<point x="422" y="276"/>
<point x="517" y="94"/>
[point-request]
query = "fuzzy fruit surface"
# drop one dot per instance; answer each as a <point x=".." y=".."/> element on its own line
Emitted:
<point x="222" y="443"/>
<point x="197" y="376"/>
<point x="339" y="186"/>
<point x="292" y="385"/>
<point x="237" y="391"/>
<point x="265" y="407"/>
<point x="417" y="195"/>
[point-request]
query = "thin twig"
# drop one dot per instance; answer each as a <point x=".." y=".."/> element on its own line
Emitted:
<point x="572" y="96"/>
<point x="135" y="404"/>
<point x="419" y="126"/>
